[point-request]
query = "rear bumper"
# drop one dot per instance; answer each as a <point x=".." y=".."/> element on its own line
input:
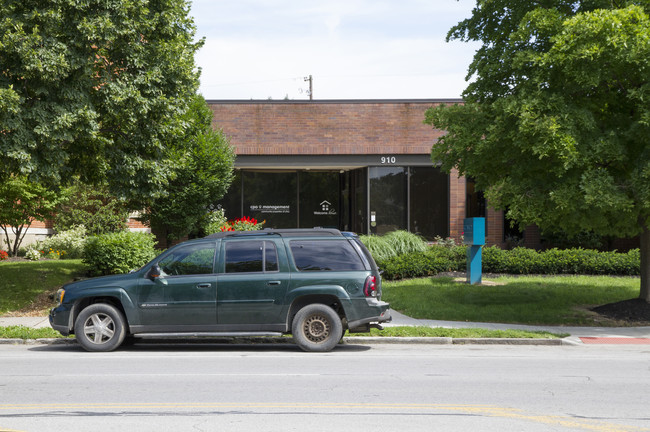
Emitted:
<point x="381" y="315"/>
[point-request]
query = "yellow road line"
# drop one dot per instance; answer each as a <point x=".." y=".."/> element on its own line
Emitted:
<point x="485" y="410"/>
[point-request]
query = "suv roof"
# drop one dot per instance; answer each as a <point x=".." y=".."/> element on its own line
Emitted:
<point x="284" y="232"/>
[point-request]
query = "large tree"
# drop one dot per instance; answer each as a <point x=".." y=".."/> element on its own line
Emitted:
<point x="94" y="88"/>
<point x="200" y="176"/>
<point x="555" y="124"/>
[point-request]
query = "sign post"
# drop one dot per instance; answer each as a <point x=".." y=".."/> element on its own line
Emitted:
<point x="474" y="237"/>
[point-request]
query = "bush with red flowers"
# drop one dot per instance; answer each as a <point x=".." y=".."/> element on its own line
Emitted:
<point x="245" y="223"/>
<point x="3" y="255"/>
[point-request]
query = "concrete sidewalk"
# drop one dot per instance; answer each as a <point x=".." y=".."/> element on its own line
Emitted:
<point x="575" y="332"/>
<point x="403" y="320"/>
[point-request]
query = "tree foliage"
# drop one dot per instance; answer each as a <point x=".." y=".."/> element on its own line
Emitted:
<point x="21" y="203"/>
<point x="200" y="176"/>
<point x="93" y="88"/>
<point x="91" y="206"/>
<point x="556" y="123"/>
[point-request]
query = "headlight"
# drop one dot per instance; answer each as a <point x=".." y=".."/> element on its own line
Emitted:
<point x="59" y="295"/>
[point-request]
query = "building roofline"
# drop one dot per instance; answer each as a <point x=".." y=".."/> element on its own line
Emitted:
<point x="327" y="101"/>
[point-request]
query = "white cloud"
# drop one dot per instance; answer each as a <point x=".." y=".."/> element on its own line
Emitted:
<point x="354" y="49"/>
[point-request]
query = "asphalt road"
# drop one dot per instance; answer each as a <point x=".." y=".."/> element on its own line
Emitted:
<point x="353" y="388"/>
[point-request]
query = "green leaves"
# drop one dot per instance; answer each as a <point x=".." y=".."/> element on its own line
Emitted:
<point x="555" y="126"/>
<point x="94" y="88"/>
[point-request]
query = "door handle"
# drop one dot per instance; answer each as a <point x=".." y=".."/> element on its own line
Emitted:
<point x="274" y="282"/>
<point x="204" y="285"/>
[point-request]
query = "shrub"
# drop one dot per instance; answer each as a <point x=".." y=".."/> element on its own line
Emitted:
<point x="33" y="254"/>
<point x="119" y="252"/>
<point x="405" y="242"/>
<point x="212" y="222"/>
<point x="71" y="241"/>
<point x="435" y="259"/>
<point x="92" y="206"/>
<point x="379" y="248"/>
<point x="3" y="255"/>
<point x="517" y="261"/>
<point x="393" y="244"/>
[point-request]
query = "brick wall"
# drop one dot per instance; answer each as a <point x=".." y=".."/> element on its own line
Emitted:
<point x="457" y="203"/>
<point x="326" y="127"/>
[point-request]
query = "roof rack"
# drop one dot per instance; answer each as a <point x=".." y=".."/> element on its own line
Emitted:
<point x="282" y="232"/>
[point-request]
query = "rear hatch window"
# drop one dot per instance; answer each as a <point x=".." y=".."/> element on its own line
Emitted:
<point x="325" y="255"/>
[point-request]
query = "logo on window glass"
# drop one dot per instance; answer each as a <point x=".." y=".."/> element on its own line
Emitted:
<point x="326" y="209"/>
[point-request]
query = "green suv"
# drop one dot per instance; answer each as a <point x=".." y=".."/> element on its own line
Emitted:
<point x="311" y="283"/>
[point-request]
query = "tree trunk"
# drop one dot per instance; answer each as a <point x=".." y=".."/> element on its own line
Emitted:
<point x="645" y="264"/>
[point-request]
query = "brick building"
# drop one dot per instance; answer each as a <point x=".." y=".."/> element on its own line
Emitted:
<point x="358" y="165"/>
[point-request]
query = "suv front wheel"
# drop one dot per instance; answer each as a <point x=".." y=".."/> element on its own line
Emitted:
<point x="100" y="327"/>
<point x="317" y="328"/>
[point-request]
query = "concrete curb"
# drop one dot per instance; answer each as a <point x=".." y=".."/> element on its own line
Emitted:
<point x="357" y="340"/>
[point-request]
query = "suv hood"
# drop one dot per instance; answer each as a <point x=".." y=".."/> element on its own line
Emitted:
<point x="98" y="282"/>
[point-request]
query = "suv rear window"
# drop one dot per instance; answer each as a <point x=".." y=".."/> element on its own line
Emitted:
<point x="325" y="255"/>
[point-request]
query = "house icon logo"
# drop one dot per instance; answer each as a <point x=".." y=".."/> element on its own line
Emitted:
<point x="325" y="209"/>
<point x="325" y="206"/>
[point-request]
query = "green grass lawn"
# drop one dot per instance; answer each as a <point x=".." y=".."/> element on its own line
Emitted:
<point x="21" y="282"/>
<point x="558" y="300"/>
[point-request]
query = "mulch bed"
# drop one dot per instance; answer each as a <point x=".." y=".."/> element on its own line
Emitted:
<point x="634" y="311"/>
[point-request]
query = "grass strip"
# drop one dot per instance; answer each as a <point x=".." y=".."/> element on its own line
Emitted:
<point x="23" y="332"/>
<point x="422" y="331"/>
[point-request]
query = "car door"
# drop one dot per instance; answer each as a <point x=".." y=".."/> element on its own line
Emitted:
<point x="184" y="297"/>
<point x="253" y="281"/>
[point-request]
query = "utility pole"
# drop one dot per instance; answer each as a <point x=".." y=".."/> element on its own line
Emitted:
<point x="311" y="88"/>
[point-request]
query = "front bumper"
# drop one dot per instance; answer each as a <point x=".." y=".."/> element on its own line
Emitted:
<point x="61" y="319"/>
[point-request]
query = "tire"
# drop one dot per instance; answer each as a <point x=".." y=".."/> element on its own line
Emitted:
<point x="317" y="328"/>
<point x="100" y="327"/>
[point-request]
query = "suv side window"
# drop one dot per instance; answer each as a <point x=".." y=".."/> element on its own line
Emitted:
<point x="191" y="259"/>
<point x="251" y="256"/>
<point x="325" y="255"/>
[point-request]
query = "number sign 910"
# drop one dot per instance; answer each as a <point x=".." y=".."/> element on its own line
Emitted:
<point x="388" y="160"/>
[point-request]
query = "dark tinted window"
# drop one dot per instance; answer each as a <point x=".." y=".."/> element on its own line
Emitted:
<point x="317" y="255"/>
<point x="191" y="259"/>
<point x="270" y="257"/>
<point x="251" y="256"/>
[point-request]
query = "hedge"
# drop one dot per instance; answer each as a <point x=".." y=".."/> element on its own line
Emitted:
<point x="439" y="259"/>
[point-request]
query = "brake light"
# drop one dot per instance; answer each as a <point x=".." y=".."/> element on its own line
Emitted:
<point x="370" y="287"/>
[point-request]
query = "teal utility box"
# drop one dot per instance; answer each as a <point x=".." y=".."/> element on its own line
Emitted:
<point x="474" y="237"/>
<point x="474" y="231"/>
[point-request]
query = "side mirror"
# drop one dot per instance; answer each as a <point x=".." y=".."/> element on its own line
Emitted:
<point x="154" y="272"/>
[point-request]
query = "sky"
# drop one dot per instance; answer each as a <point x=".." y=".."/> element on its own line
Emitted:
<point x="353" y="49"/>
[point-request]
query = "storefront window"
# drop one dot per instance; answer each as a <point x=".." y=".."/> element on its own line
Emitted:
<point x="388" y="199"/>
<point x="271" y="196"/>
<point x="400" y="198"/>
<point x="429" y="202"/>
<point x="319" y="199"/>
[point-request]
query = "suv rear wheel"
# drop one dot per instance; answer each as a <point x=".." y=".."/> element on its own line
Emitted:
<point x="100" y="327"/>
<point x="317" y="328"/>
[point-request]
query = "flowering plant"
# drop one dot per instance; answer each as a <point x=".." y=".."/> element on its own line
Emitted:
<point x="32" y="254"/>
<point x="53" y="254"/>
<point x="3" y="255"/>
<point x="245" y="223"/>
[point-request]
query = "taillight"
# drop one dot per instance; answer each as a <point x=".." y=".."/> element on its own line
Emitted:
<point x="370" y="287"/>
